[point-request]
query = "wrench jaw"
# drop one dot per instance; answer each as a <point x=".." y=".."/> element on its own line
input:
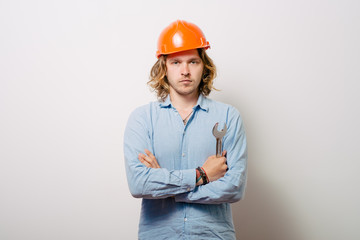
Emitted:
<point x="219" y="135"/>
<point x="214" y="131"/>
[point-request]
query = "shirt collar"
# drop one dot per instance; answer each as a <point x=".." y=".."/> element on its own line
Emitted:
<point x="202" y="103"/>
<point x="166" y="102"/>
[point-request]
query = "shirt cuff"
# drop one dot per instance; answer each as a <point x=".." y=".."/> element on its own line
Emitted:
<point x="189" y="179"/>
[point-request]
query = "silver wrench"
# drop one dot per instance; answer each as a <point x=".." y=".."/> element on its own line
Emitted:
<point x="219" y="135"/>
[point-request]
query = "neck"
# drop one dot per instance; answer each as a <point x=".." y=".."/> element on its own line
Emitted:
<point x="184" y="102"/>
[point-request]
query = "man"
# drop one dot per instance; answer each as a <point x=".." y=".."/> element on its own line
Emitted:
<point x="170" y="149"/>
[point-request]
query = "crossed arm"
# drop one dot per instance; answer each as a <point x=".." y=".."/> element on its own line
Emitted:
<point x="147" y="179"/>
<point x="214" y="167"/>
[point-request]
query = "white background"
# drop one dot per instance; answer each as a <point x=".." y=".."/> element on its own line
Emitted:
<point x="72" y="71"/>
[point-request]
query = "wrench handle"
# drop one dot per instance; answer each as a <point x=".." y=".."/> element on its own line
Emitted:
<point x="218" y="147"/>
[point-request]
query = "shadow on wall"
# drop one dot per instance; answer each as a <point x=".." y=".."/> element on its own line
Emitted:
<point x="263" y="213"/>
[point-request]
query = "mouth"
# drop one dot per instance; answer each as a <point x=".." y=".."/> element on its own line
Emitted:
<point x="185" y="81"/>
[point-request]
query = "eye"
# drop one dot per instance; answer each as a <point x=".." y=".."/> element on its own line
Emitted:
<point x="175" y="62"/>
<point x="194" y="62"/>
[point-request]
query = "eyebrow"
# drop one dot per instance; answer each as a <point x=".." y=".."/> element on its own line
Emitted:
<point x="178" y="59"/>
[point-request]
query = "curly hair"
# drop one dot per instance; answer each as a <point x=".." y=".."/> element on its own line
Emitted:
<point x="160" y="84"/>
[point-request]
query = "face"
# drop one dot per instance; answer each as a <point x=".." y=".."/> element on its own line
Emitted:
<point x="184" y="71"/>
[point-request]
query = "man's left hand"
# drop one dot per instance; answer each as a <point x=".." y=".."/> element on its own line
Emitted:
<point x="148" y="160"/>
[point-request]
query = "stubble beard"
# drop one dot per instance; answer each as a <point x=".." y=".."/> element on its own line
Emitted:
<point x="184" y="91"/>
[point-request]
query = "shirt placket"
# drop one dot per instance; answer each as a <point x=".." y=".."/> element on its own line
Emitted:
<point x="184" y="163"/>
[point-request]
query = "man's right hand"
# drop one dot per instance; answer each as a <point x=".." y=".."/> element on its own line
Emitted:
<point x="215" y="167"/>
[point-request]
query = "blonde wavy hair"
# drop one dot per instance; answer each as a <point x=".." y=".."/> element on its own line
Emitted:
<point x="160" y="84"/>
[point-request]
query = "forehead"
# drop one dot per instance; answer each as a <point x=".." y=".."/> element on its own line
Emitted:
<point x="193" y="53"/>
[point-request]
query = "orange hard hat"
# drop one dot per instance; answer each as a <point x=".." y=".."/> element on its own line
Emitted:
<point x="180" y="36"/>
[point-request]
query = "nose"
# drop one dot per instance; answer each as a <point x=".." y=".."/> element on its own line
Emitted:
<point x="185" y="70"/>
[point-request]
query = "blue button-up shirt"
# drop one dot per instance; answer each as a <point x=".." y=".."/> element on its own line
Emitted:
<point x="173" y="207"/>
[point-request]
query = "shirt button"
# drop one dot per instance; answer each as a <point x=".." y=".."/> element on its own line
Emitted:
<point x="185" y="219"/>
<point x="183" y="154"/>
<point x="188" y="189"/>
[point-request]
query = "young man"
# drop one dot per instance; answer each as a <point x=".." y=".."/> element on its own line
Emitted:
<point x="170" y="148"/>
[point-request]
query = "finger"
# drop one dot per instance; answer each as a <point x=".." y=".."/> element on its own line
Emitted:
<point x="222" y="159"/>
<point x="156" y="164"/>
<point x="143" y="161"/>
<point x="149" y="153"/>
<point x="146" y="164"/>
<point x="144" y="158"/>
<point x="152" y="161"/>
<point x="141" y="157"/>
<point x="153" y="158"/>
<point x="224" y="154"/>
<point x="148" y="159"/>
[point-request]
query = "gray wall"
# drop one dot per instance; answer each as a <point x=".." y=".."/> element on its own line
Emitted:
<point x="72" y="71"/>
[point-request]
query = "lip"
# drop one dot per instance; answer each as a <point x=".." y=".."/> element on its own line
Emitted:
<point x="186" y="80"/>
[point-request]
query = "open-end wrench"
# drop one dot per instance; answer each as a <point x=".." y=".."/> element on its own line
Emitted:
<point x="219" y="135"/>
